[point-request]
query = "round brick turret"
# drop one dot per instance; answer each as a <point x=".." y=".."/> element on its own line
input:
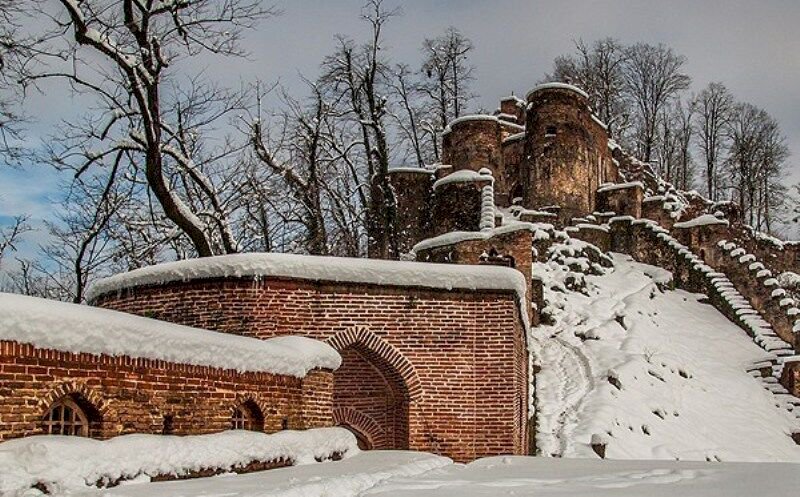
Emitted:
<point x="473" y="142"/>
<point x="566" y="150"/>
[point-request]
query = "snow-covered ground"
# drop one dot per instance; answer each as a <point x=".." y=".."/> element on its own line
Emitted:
<point x="654" y="374"/>
<point x="402" y="473"/>
<point x="64" y="464"/>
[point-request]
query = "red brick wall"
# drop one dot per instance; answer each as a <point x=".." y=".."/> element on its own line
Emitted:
<point x="457" y="357"/>
<point x="133" y="395"/>
<point x="516" y="244"/>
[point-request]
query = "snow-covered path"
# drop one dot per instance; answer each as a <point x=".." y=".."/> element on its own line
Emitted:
<point x="567" y="363"/>
<point x="657" y="374"/>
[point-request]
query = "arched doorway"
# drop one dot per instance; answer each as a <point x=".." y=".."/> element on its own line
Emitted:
<point x="371" y="390"/>
<point x="371" y="394"/>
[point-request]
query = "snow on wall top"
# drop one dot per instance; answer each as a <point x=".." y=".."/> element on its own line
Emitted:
<point x="619" y="186"/>
<point x="704" y="220"/>
<point x="317" y="268"/>
<point x="424" y="170"/>
<point x="556" y="86"/>
<point x="514" y="137"/>
<point x="464" y="176"/>
<point x="454" y="237"/>
<point x="473" y="117"/>
<point x="79" y="328"/>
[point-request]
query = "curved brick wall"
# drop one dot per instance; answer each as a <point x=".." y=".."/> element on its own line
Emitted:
<point x="567" y="166"/>
<point x="473" y="143"/>
<point x="436" y="370"/>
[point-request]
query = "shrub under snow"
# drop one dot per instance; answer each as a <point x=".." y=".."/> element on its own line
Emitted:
<point x="62" y="464"/>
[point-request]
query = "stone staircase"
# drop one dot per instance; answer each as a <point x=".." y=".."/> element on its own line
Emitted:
<point x="727" y="299"/>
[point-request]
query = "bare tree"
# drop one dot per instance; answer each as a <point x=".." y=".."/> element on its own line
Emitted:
<point x="414" y="117"/>
<point x="684" y="175"/>
<point x="714" y="109"/>
<point x="673" y="144"/>
<point x="756" y="163"/>
<point x="15" y="48"/>
<point x="598" y="70"/>
<point x="10" y="235"/>
<point x="447" y="73"/>
<point x="653" y="77"/>
<point x="131" y="48"/>
<point x="358" y="74"/>
<point x="306" y="146"/>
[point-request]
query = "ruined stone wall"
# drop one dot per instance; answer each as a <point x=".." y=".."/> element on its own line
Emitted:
<point x="457" y="206"/>
<point x="513" y="106"/>
<point x="458" y="358"/>
<point x="753" y="280"/>
<point x="567" y="151"/>
<point x="511" y="183"/>
<point x="125" y="395"/>
<point x="624" y="200"/>
<point x="473" y="142"/>
<point x="413" y="190"/>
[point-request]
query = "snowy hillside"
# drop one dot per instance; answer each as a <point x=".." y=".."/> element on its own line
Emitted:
<point x="651" y="372"/>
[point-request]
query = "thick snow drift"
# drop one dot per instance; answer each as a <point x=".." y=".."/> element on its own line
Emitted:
<point x="352" y="477"/>
<point x="78" y="328"/>
<point x="542" y="477"/>
<point x="400" y="474"/>
<point x="656" y="374"/>
<point x="66" y="464"/>
<point x="316" y="268"/>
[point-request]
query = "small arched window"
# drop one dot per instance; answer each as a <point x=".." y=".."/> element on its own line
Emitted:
<point x="550" y="131"/>
<point x="247" y="416"/>
<point x="66" y="417"/>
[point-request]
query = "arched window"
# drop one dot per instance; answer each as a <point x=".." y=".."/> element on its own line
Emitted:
<point x="66" y="417"/>
<point x="247" y="416"/>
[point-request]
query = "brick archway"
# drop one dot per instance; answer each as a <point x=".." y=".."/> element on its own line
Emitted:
<point x="374" y="388"/>
<point x="362" y="424"/>
<point x="90" y="401"/>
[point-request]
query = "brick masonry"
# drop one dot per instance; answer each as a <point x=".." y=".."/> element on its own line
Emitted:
<point x="124" y="395"/>
<point x="433" y="370"/>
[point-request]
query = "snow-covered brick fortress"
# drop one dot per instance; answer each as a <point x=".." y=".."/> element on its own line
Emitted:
<point x="555" y="297"/>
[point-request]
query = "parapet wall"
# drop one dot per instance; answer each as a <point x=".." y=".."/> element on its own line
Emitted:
<point x="452" y="357"/>
<point x="123" y="395"/>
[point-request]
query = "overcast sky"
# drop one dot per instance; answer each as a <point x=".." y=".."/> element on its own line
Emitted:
<point x="752" y="46"/>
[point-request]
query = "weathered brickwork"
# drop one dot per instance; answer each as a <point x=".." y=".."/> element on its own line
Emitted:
<point x="511" y="249"/>
<point x="791" y="378"/>
<point x="623" y="201"/>
<point x="413" y="189"/>
<point x="123" y="395"/>
<point x="567" y="150"/>
<point x="511" y="184"/>
<point x="473" y="143"/>
<point x="450" y="366"/>
<point x="457" y="207"/>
